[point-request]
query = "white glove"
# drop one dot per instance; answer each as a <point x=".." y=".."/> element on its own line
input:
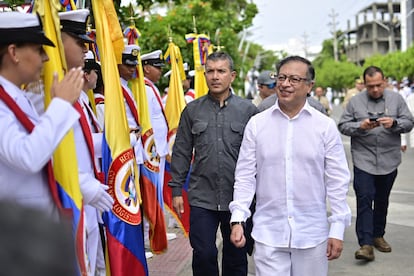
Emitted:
<point x="102" y="201"/>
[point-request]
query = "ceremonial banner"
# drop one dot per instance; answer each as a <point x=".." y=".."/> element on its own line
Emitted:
<point x="173" y="108"/>
<point x="152" y="200"/>
<point x="65" y="164"/>
<point x="125" y="242"/>
<point x="201" y="50"/>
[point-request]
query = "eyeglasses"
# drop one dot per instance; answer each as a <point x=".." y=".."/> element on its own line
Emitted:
<point x="292" y="79"/>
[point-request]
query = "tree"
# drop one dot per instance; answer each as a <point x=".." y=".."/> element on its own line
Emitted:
<point x="396" y="65"/>
<point x="222" y="20"/>
<point x="336" y="74"/>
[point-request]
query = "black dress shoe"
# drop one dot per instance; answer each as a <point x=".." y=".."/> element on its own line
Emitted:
<point x="366" y="252"/>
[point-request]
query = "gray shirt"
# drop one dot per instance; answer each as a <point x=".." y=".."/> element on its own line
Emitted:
<point x="214" y="135"/>
<point x="376" y="151"/>
<point x="271" y="100"/>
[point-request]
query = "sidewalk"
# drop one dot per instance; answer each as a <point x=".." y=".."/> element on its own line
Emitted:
<point x="176" y="261"/>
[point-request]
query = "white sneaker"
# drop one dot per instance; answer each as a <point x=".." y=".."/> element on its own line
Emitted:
<point x="148" y="254"/>
<point x="171" y="236"/>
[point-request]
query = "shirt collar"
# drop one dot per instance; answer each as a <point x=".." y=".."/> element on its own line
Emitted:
<point x="307" y="108"/>
<point x="84" y="97"/>
<point x="227" y="99"/>
<point x="11" y="88"/>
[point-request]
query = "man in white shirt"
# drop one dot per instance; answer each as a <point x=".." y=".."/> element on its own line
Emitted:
<point x="292" y="167"/>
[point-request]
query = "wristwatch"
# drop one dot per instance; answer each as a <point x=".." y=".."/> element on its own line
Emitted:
<point x="242" y="223"/>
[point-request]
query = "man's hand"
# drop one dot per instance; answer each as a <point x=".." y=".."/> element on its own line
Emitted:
<point x="178" y="204"/>
<point x="386" y="122"/>
<point x="237" y="235"/>
<point x="367" y="124"/>
<point x="334" y="249"/>
<point x="70" y="87"/>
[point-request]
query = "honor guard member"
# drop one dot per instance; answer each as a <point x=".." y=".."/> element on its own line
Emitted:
<point x="152" y="64"/>
<point x="93" y="76"/>
<point x="88" y="148"/>
<point x="189" y="93"/>
<point x="127" y="71"/>
<point x="28" y="140"/>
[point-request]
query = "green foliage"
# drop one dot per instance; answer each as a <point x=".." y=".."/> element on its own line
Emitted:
<point x="14" y="3"/>
<point x="395" y="65"/>
<point x="337" y="75"/>
<point x="221" y="20"/>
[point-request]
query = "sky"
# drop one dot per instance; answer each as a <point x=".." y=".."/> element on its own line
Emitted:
<point x="288" y="24"/>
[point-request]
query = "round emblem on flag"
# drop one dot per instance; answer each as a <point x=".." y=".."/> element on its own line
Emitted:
<point x="151" y="157"/>
<point x="123" y="187"/>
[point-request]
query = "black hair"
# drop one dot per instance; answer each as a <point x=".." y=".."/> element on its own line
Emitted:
<point x="372" y="70"/>
<point x="310" y="75"/>
<point x="221" y="56"/>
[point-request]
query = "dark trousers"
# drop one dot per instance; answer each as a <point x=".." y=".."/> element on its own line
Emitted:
<point x="203" y="228"/>
<point x="372" y="195"/>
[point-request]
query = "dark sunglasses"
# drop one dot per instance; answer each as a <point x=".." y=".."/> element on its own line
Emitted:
<point x="270" y="86"/>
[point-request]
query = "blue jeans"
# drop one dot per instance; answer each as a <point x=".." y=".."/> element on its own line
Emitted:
<point x="203" y="228"/>
<point x="371" y="218"/>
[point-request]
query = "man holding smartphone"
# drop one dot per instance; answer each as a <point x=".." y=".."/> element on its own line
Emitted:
<point x="374" y="119"/>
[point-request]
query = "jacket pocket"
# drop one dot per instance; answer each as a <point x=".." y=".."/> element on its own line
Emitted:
<point x="236" y="133"/>
<point x="199" y="133"/>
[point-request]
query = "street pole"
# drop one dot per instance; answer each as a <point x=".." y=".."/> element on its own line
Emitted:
<point x="391" y="28"/>
<point x="335" y="41"/>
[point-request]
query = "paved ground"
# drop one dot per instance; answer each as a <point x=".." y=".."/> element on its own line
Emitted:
<point x="177" y="259"/>
<point x="399" y="233"/>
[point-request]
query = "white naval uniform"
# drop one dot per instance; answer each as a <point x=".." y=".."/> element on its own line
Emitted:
<point x="136" y="144"/>
<point x="88" y="182"/>
<point x="159" y="126"/>
<point x="23" y="156"/>
<point x="100" y="108"/>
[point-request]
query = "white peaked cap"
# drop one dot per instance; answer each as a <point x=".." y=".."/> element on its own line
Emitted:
<point x="89" y="55"/>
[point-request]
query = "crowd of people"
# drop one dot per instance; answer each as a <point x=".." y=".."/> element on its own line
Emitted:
<point x="242" y="175"/>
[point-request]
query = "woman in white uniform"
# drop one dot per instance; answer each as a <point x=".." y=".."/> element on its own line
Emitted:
<point x="27" y="140"/>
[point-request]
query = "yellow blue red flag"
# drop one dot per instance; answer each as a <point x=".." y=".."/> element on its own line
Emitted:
<point x="65" y="164"/>
<point x="201" y="49"/>
<point x="125" y="242"/>
<point x="173" y="108"/>
<point x="151" y="189"/>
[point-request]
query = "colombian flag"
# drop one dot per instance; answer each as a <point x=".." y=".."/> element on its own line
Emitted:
<point x="151" y="202"/>
<point x="65" y="164"/>
<point x="69" y="5"/>
<point x="125" y="242"/>
<point x="201" y="50"/>
<point x="173" y="108"/>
